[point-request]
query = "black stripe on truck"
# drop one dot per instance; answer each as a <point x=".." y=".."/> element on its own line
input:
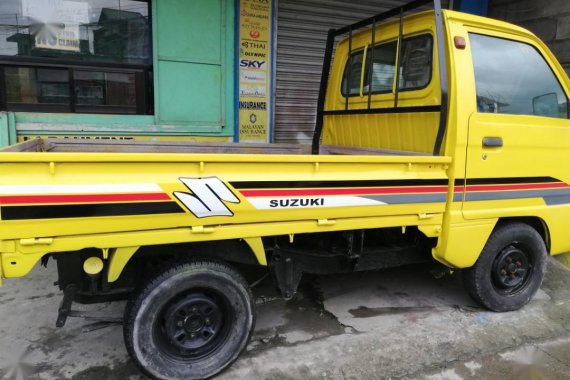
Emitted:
<point x="88" y="210"/>
<point x="332" y="184"/>
<point x="386" y="183"/>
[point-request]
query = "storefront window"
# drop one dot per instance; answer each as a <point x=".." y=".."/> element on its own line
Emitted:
<point x="86" y="56"/>
<point x="74" y="89"/>
<point x="84" y="30"/>
<point x="97" y="88"/>
<point x="37" y="86"/>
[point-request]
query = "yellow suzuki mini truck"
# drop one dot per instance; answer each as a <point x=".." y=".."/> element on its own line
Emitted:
<point x="439" y="136"/>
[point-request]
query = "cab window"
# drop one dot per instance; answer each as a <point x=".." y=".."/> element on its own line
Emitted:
<point x="415" y="68"/>
<point x="513" y="78"/>
<point x="352" y="73"/>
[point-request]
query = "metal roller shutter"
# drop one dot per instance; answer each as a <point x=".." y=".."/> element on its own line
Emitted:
<point x="302" y="27"/>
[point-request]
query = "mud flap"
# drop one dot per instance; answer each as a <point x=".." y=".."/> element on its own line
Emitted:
<point x="65" y="305"/>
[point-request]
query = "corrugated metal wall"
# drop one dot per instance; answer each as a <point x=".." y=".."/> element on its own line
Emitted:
<point x="302" y="27"/>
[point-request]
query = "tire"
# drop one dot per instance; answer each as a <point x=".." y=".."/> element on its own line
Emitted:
<point x="190" y="321"/>
<point x="509" y="270"/>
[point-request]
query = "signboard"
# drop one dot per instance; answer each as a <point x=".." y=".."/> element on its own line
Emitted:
<point x="150" y="138"/>
<point x="55" y="23"/>
<point x="58" y="37"/>
<point x="255" y="69"/>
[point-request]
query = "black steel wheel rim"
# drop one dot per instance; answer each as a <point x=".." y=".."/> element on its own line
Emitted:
<point x="512" y="269"/>
<point x="193" y="325"/>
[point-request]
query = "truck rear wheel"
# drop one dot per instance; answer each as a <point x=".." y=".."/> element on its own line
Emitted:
<point x="190" y="321"/>
<point x="510" y="269"/>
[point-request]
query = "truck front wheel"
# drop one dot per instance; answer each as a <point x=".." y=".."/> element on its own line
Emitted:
<point x="190" y="321"/>
<point x="510" y="269"/>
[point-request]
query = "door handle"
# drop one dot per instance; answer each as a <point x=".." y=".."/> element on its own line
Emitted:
<point x="492" y="142"/>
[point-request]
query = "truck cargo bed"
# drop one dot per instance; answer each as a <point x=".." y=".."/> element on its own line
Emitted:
<point x="132" y="146"/>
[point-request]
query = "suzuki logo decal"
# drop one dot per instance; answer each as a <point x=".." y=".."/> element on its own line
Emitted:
<point x="207" y="197"/>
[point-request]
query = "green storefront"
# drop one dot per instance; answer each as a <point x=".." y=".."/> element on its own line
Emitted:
<point x="118" y="69"/>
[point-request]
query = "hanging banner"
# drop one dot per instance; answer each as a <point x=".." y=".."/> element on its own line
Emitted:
<point x="56" y="11"/>
<point x="54" y="24"/>
<point x="255" y="69"/>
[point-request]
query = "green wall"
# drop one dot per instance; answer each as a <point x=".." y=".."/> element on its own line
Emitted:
<point x="193" y="62"/>
<point x="7" y="129"/>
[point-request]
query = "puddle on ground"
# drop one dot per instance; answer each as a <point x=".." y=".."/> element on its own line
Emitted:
<point x="368" y="312"/>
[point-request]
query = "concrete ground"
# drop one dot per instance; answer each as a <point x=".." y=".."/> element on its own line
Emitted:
<point x="400" y="323"/>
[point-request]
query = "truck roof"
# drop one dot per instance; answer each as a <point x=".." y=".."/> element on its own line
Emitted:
<point x="495" y="24"/>
<point x="462" y="17"/>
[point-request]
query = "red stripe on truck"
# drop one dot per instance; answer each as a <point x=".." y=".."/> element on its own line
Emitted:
<point x="81" y="198"/>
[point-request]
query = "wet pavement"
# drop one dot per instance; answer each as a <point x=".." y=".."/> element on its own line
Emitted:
<point x="399" y="323"/>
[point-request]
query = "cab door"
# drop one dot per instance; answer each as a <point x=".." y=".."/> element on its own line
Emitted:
<point x="518" y="151"/>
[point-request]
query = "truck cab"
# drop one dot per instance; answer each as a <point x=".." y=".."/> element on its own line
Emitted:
<point x="486" y="93"/>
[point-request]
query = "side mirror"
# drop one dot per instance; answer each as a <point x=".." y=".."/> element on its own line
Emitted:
<point x="545" y="105"/>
